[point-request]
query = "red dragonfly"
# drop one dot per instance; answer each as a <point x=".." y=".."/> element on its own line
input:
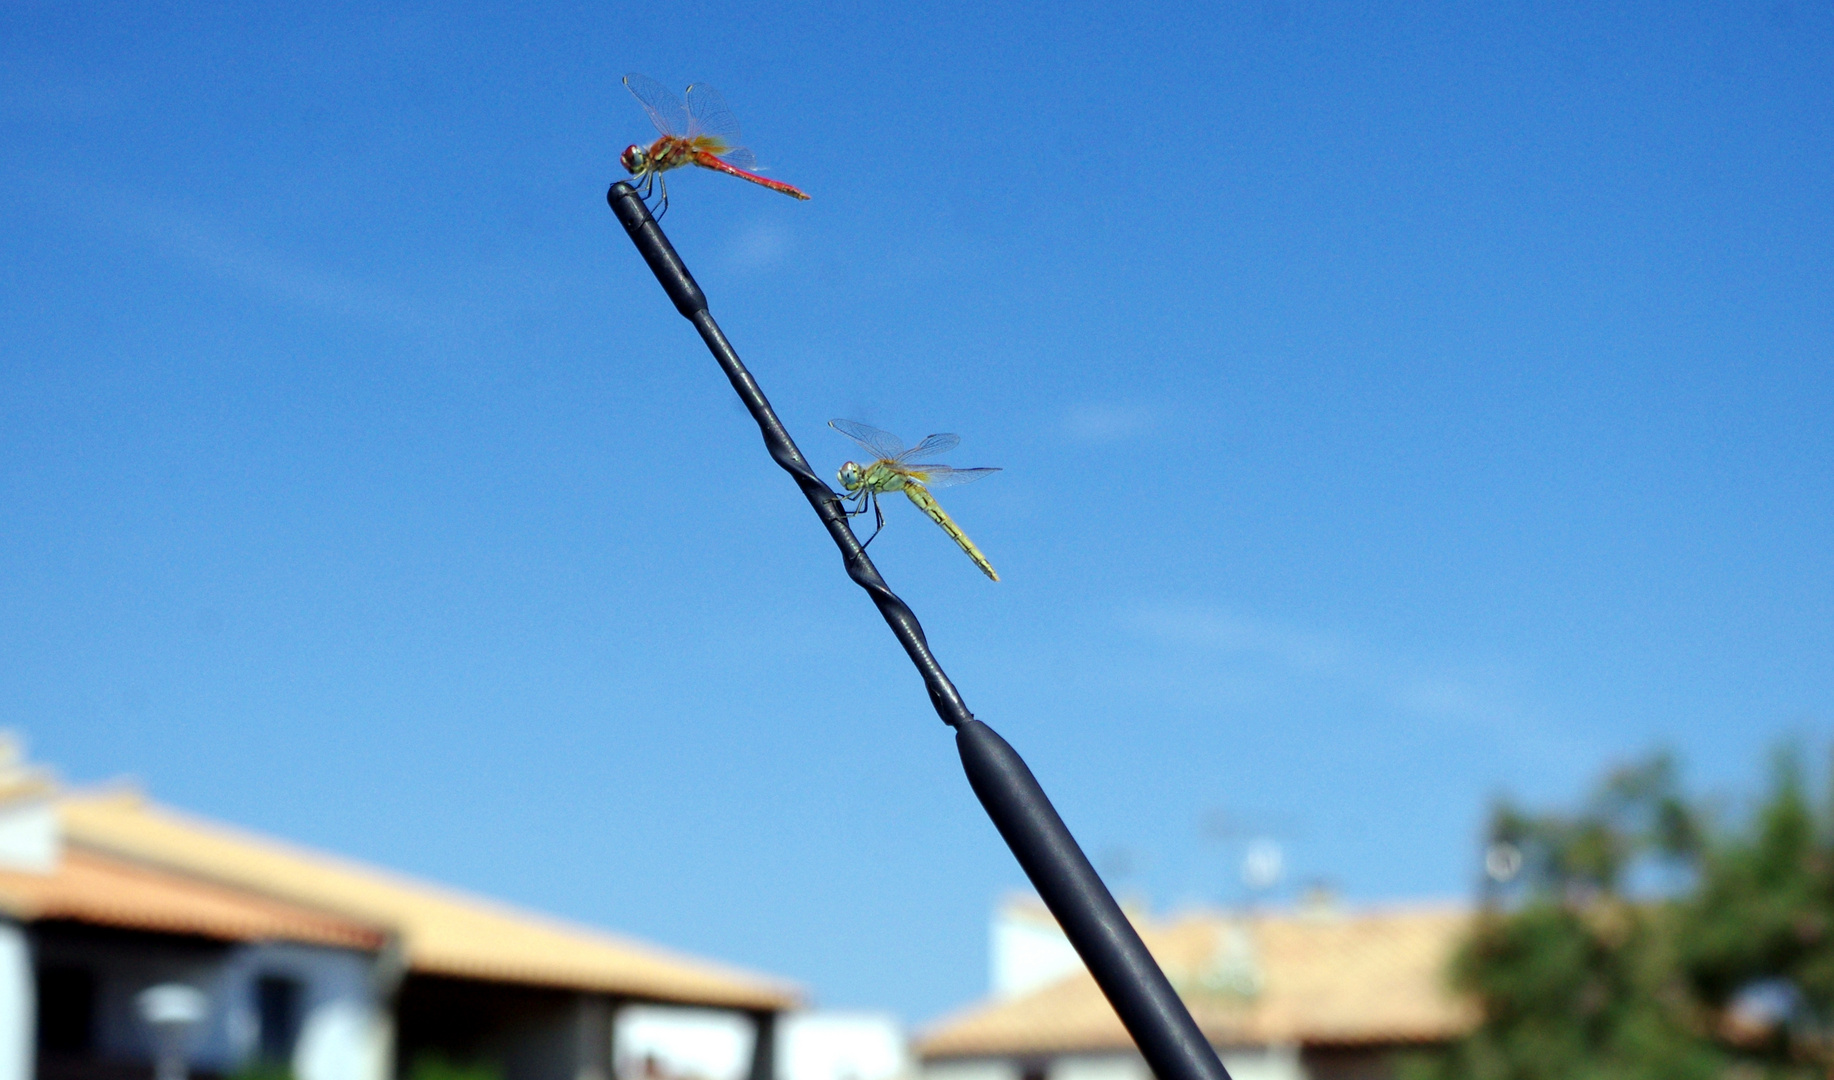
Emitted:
<point x="702" y="132"/>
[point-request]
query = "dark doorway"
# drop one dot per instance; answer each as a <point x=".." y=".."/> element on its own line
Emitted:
<point x="277" y="1008"/>
<point x="66" y="1009"/>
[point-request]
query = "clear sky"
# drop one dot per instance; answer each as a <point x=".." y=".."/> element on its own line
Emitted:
<point x="1399" y="405"/>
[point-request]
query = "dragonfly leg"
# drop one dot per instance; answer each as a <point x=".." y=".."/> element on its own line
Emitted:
<point x="853" y="511"/>
<point x="878" y="516"/>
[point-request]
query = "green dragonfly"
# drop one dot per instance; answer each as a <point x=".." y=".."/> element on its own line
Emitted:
<point x="895" y="469"/>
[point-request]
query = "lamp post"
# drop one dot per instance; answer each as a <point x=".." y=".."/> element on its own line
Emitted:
<point x="173" y="1011"/>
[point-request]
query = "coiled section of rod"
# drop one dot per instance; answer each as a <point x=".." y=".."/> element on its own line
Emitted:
<point x="692" y="303"/>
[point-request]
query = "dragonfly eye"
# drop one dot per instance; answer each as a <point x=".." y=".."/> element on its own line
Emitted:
<point x="634" y="159"/>
<point x="850" y="476"/>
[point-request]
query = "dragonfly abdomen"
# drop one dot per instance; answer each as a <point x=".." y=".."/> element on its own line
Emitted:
<point x="928" y="504"/>
<point x="707" y="160"/>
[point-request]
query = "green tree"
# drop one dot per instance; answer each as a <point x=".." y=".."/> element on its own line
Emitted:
<point x="439" y="1067"/>
<point x="262" y="1070"/>
<point x="1757" y="934"/>
<point x="1573" y="977"/>
<point x="1642" y="936"/>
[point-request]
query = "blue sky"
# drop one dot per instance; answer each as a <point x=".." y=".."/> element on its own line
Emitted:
<point x="1399" y="405"/>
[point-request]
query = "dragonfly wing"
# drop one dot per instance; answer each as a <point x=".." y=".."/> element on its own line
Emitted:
<point x="666" y="110"/>
<point x="941" y="476"/>
<point x="736" y="156"/>
<point x="882" y="443"/>
<point x="708" y="115"/>
<point x="934" y="444"/>
<point x="739" y="158"/>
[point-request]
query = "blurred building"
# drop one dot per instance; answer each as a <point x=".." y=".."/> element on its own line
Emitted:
<point x="684" y="1044"/>
<point x="336" y="970"/>
<point x="1316" y="993"/>
<point x="841" y="1045"/>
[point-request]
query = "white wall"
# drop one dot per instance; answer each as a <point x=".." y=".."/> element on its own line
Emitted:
<point x="1101" y="1067"/>
<point x="981" y="1069"/>
<point x="18" y="1018"/>
<point x="30" y="839"/>
<point x="1264" y="1063"/>
<point x="706" y="1044"/>
<point x="715" y="1044"/>
<point x="1026" y="949"/>
<point x="841" y="1046"/>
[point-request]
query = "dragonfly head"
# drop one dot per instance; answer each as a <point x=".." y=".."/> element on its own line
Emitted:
<point x="851" y="476"/>
<point x="635" y="159"/>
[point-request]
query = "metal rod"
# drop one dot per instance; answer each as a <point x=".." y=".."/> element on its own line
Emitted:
<point x="1168" y="1038"/>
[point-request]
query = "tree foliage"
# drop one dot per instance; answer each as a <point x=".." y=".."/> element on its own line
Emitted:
<point x="439" y="1067"/>
<point x="1643" y="937"/>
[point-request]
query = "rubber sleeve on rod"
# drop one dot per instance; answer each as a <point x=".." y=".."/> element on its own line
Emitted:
<point x="1141" y="994"/>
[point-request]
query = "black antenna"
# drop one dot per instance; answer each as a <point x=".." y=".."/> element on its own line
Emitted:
<point x="1142" y="996"/>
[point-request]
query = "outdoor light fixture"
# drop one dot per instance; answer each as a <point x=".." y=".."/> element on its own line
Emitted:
<point x="173" y="1011"/>
<point x="1161" y="1026"/>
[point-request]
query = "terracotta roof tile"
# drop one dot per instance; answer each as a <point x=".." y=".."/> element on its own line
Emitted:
<point x="1302" y="978"/>
<point x="443" y="931"/>
<point x="93" y="888"/>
